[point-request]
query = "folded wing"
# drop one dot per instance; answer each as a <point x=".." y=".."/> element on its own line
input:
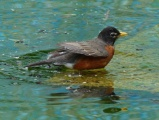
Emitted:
<point x="90" y="48"/>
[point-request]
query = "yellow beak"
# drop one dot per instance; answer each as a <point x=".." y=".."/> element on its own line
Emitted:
<point x="123" y="34"/>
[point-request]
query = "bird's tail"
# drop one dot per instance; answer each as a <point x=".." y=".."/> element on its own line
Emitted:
<point x="40" y="63"/>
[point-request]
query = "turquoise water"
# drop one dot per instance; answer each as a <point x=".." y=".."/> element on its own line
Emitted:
<point x="31" y="29"/>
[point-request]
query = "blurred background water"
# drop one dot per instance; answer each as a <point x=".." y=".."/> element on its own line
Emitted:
<point x="126" y="89"/>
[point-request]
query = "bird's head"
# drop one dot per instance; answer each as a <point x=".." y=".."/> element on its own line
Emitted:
<point x="110" y="35"/>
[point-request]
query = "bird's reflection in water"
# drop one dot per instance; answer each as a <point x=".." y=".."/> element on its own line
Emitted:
<point x="85" y="84"/>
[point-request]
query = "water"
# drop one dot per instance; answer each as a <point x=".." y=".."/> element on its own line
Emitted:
<point x="126" y="89"/>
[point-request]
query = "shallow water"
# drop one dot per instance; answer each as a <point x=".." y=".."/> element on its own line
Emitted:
<point x="126" y="89"/>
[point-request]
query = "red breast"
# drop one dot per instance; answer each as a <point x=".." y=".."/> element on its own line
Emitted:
<point x="88" y="62"/>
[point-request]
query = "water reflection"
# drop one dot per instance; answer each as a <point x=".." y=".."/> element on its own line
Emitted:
<point x="82" y="91"/>
<point x="106" y="95"/>
<point x="84" y="85"/>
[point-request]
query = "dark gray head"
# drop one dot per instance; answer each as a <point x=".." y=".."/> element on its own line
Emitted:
<point x="109" y="35"/>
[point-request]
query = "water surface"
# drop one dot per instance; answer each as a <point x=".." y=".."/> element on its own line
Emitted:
<point x="126" y="89"/>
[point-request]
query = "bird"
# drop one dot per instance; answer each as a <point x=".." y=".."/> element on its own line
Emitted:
<point x="85" y="55"/>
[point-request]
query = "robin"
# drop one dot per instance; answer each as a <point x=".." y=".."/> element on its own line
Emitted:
<point x="92" y="54"/>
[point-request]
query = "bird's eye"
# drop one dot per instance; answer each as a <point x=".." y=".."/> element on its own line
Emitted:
<point x="113" y="34"/>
